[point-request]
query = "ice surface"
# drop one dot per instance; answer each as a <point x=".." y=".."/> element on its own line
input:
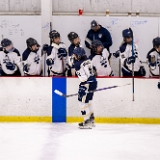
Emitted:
<point x="43" y="141"/>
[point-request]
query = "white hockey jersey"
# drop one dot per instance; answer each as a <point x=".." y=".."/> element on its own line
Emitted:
<point x="34" y="64"/>
<point x="59" y="65"/>
<point x="101" y="64"/>
<point x="11" y="57"/>
<point x="33" y="61"/>
<point x="84" y="70"/>
<point x="154" y="71"/>
<point x="126" y="52"/>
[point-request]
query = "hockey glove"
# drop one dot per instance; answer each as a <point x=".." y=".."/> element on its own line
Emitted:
<point x="81" y="92"/>
<point x="116" y="54"/>
<point x="10" y="66"/>
<point x="62" y="53"/>
<point x="131" y="59"/>
<point x="68" y="67"/>
<point x="25" y="69"/>
<point x="49" y="62"/>
<point x="45" y="47"/>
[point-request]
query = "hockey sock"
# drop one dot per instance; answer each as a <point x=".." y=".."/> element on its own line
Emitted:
<point x="85" y="110"/>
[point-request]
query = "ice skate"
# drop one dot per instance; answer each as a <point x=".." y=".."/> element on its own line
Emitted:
<point x="92" y="121"/>
<point x="85" y="125"/>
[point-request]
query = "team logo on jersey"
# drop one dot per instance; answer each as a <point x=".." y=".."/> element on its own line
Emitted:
<point x="37" y="59"/>
<point x="103" y="62"/>
<point x="100" y="35"/>
<point x="9" y="64"/>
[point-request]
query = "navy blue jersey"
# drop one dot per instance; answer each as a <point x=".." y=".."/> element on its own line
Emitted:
<point x="70" y="49"/>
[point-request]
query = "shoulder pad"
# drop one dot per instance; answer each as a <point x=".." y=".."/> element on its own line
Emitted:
<point x="62" y="45"/>
<point x="25" y="54"/>
<point x="16" y="51"/>
<point x="152" y="50"/>
<point x="105" y="50"/>
<point x="77" y="65"/>
<point x="49" y="50"/>
<point x="55" y="45"/>
<point x="123" y="47"/>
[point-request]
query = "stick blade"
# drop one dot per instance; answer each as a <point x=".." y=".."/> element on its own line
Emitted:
<point x="58" y="92"/>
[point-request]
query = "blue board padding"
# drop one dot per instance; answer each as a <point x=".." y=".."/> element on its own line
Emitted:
<point x="58" y="102"/>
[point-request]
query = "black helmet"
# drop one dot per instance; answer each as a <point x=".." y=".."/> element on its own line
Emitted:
<point x="6" y="42"/>
<point x="95" y="44"/>
<point x="156" y="42"/>
<point x="54" y="34"/>
<point x="79" y="52"/>
<point x="72" y="36"/>
<point x="127" y="33"/>
<point x="31" y="42"/>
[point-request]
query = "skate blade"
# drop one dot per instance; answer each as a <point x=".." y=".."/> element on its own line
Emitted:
<point x="85" y="127"/>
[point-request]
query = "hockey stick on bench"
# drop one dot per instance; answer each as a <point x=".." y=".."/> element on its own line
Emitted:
<point x="97" y="90"/>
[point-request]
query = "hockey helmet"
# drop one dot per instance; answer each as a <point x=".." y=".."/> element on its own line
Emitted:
<point x="79" y="52"/>
<point x="95" y="44"/>
<point x="156" y="42"/>
<point x="72" y="36"/>
<point x="54" y="34"/>
<point x="31" y="42"/>
<point x="127" y="33"/>
<point x="6" y="42"/>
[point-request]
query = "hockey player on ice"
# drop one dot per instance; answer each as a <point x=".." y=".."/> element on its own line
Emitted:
<point x="153" y="57"/>
<point x="10" y="59"/>
<point x="57" y="58"/>
<point x="75" y="42"/>
<point x="125" y="53"/>
<point x="85" y="73"/>
<point x="32" y="59"/>
<point x="100" y="61"/>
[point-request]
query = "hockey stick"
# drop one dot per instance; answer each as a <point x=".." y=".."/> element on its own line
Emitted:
<point x="97" y="90"/>
<point x="132" y="64"/>
<point x="48" y="70"/>
<point x="159" y="72"/>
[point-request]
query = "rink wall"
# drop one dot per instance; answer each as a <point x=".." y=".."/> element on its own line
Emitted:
<point x="25" y="99"/>
<point x="33" y="100"/>
<point x="116" y="105"/>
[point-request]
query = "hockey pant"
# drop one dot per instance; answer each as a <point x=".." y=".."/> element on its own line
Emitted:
<point x="85" y="98"/>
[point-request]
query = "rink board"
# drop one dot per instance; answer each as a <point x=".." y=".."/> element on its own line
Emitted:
<point x="33" y="100"/>
<point x="25" y="99"/>
<point x="116" y="105"/>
